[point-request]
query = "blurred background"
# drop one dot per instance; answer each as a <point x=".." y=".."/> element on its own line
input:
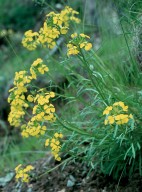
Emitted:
<point x="112" y="26"/>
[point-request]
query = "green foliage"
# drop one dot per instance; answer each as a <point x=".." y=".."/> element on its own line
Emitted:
<point x="130" y="9"/>
<point x="95" y="80"/>
<point x="17" y="151"/>
<point x="19" y="16"/>
<point x="116" y="149"/>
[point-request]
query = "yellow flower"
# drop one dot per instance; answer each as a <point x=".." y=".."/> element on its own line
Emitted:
<point x="118" y="109"/>
<point x="74" y="35"/>
<point x="82" y="45"/>
<point x="72" y="50"/>
<point x="88" y="46"/>
<point x="56" y="135"/>
<point x="107" y="110"/>
<point x="122" y="105"/>
<point x="111" y="120"/>
<point x="17" y="168"/>
<point x="47" y="142"/>
<point x="22" y="173"/>
<point x="30" y="98"/>
<point x="52" y="94"/>
<point x="58" y="158"/>
<point x="28" y="168"/>
<point x="122" y="119"/>
<point x="106" y="122"/>
<point x="85" y="36"/>
<point x="37" y="62"/>
<point x="60" y="135"/>
<point x="29" y="40"/>
<point x="78" y="42"/>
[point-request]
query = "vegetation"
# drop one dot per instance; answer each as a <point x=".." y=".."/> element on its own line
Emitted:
<point x="81" y="100"/>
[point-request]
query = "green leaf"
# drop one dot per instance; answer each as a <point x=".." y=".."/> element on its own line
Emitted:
<point x="115" y="131"/>
<point x="127" y="152"/>
<point x="133" y="151"/>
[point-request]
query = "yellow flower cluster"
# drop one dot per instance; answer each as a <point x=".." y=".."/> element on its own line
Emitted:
<point x="17" y="97"/>
<point x="30" y="40"/>
<point x="78" y="42"/>
<point x="43" y="111"/>
<point x="38" y="67"/>
<point x="117" y="113"/>
<point x="33" y="129"/>
<point x="63" y="19"/>
<point x="54" y="26"/>
<point x="22" y="173"/>
<point x="54" y="143"/>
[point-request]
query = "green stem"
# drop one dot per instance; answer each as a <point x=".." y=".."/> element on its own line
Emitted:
<point x="90" y="75"/>
<point x="72" y="128"/>
<point x="54" y="167"/>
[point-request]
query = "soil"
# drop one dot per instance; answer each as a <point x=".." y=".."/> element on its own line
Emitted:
<point x="72" y="177"/>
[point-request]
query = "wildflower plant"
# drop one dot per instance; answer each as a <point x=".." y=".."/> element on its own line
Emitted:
<point x="54" y="144"/>
<point x="23" y="173"/>
<point x="24" y="98"/>
<point x="117" y="114"/>
<point x="55" y="24"/>
<point x="77" y="43"/>
<point x="104" y="129"/>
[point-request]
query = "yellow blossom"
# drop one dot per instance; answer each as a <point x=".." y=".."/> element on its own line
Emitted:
<point x="107" y="110"/>
<point x="111" y="120"/>
<point x="88" y="46"/>
<point x="22" y="173"/>
<point x="117" y="113"/>
<point x="47" y="142"/>
<point x="74" y="35"/>
<point x="78" y="42"/>
<point x="85" y="36"/>
<point x="30" y="98"/>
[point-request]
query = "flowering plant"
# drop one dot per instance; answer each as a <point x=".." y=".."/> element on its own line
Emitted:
<point x="101" y="131"/>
